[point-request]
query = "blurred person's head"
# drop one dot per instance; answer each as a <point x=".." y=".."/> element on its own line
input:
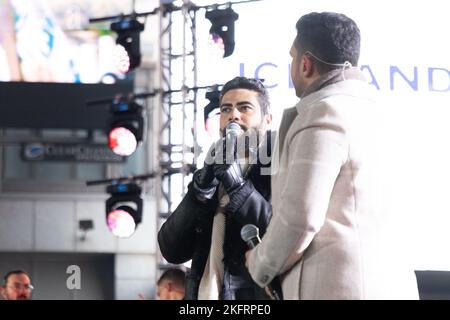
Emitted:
<point x="17" y="286"/>
<point x="171" y="285"/>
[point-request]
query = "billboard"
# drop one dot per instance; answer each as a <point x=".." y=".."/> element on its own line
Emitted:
<point x="52" y="41"/>
<point x="52" y="62"/>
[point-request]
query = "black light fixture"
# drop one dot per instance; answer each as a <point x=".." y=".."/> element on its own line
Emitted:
<point x="128" y="36"/>
<point x="123" y="208"/>
<point x="214" y="98"/>
<point x="222" y="28"/>
<point x="126" y="126"/>
<point x="85" y="226"/>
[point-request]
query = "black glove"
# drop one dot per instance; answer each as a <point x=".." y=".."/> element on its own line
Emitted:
<point x="230" y="175"/>
<point x="204" y="181"/>
<point x="228" y="171"/>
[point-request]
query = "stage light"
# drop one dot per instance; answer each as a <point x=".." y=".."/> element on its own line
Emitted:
<point x="211" y="111"/>
<point x="214" y="98"/>
<point x="128" y="36"/>
<point x="222" y="28"/>
<point x="123" y="209"/>
<point x="126" y="127"/>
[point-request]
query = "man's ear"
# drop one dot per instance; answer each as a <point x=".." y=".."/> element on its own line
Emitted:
<point x="268" y="118"/>
<point x="307" y="65"/>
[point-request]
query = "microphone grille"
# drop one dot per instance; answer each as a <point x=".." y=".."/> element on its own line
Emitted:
<point x="249" y="231"/>
<point x="234" y="128"/>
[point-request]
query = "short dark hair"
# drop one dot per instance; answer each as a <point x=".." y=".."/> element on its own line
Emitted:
<point x="175" y="275"/>
<point x="249" y="84"/>
<point x="331" y="37"/>
<point x="10" y="273"/>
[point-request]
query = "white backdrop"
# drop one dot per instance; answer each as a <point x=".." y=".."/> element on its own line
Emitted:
<point x="405" y="54"/>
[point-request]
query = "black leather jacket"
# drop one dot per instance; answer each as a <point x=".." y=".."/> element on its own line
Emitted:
<point x="187" y="235"/>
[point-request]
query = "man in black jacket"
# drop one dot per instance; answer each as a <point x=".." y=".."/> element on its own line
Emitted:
<point x="221" y="199"/>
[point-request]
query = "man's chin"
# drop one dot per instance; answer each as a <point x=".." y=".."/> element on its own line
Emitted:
<point x="23" y="298"/>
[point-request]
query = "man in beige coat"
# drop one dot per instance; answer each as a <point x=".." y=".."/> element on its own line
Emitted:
<point x="328" y="237"/>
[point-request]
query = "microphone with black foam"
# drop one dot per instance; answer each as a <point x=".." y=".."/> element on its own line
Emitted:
<point x="232" y="131"/>
<point x="250" y="234"/>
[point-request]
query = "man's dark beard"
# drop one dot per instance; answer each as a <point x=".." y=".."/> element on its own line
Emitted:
<point x="249" y="142"/>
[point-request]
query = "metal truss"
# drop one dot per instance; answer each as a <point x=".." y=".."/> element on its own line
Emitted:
<point x="178" y="112"/>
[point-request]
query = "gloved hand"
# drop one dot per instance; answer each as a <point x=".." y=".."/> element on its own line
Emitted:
<point x="228" y="172"/>
<point x="204" y="181"/>
<point x="230" y="175"/>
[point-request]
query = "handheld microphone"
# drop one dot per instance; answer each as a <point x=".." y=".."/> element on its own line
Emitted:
<point x="250" y="234"/>
<point x="232" y="131"/>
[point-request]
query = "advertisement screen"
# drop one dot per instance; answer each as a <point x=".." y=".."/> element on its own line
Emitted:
<point x="53" y="41"/>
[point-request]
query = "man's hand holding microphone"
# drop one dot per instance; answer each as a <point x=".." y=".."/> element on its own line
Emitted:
<point x="220" y="166"/>
<point x="250" y="235"/>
